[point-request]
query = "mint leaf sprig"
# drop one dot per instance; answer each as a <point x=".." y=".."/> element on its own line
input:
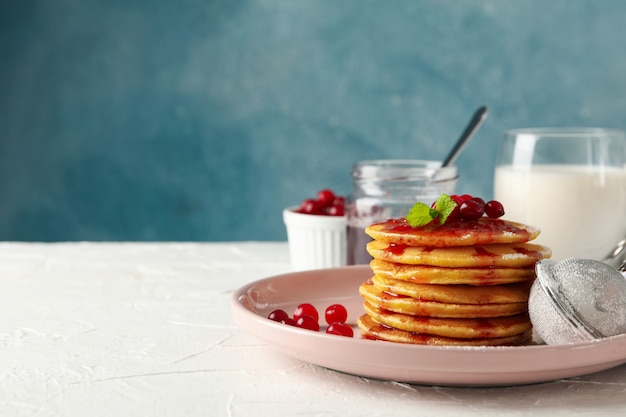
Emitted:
<point x="421" y="214"/>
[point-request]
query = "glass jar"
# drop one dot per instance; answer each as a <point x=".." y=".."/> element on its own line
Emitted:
<point x="388" y="188"/>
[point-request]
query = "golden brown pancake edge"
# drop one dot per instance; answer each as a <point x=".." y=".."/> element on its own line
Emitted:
<point x="371" y="330"/>
<point x="460" y="328"/>
<point x="412" y="306"/>
<point x="509" y="255"/>
<point x="428" y="274"/>
<point x="456" y="294"/>
<point x="479" y="232"/>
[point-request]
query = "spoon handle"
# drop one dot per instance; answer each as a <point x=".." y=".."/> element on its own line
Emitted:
<point x="470" y="129"/>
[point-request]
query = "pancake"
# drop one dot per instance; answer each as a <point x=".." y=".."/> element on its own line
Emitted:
<point x="459" y="328"/>
<point x="456" y="294"/>
<point x="509" y="255"/>
<point x="425" y="274"/>
<point x="483" y="231"/>
<point x="384" y="301"/>
<point x="372" y="330"/>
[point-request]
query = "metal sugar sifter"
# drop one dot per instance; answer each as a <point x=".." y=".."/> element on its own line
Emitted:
<point x="577" y="300"/>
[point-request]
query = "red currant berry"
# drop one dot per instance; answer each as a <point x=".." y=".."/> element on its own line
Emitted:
<point x="455" y="215"/>
<point x="340" y="329"/>
<point x="494" y="209"/>
<point x="289" y="321"/>
<point x="339" y="201"/>
<point x="278" y="315"/>
<point x="326" y="197"/>
<point x="456" y="198"/>
<point x="310" y="206"/>
<point x="308" y="322"/>
<point x="306" y="309"/>
<point x="480" y="200"/>
<point x="334" y="211"/>
<point x="472" y="209"/>
<point x="336" y="313"/>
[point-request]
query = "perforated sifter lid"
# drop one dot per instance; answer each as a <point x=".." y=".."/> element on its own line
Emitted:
<point x="590" y="295"/>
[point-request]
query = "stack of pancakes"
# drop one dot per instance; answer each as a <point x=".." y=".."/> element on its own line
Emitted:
<point x="462" y="283"/>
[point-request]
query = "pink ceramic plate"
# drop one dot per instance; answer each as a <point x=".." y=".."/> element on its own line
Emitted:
<point x="450" y="365"/>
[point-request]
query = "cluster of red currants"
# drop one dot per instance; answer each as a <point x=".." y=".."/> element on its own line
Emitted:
<point x="327" y="203"/>
<point x="306" y="317"/>
<point x="472" y="208"/>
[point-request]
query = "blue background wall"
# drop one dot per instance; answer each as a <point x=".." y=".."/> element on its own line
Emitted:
<point x="202" y="119"/>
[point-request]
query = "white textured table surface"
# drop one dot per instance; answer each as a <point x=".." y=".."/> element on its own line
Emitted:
<point x="108" y="329"/>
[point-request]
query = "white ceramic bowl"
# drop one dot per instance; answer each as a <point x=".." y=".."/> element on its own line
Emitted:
<point x="315" y="241"/>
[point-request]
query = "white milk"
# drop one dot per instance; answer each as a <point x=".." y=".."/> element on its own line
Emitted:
<point x="580" y="210"/>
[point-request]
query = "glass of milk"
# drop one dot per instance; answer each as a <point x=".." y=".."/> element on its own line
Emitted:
<point x="569" y="182"/>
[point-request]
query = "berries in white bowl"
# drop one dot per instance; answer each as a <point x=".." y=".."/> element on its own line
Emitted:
<point x="316" y="231"/>
<point x="326" y="203"/>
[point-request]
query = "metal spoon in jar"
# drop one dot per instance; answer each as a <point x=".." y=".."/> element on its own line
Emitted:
<point x="470" y="129"/>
